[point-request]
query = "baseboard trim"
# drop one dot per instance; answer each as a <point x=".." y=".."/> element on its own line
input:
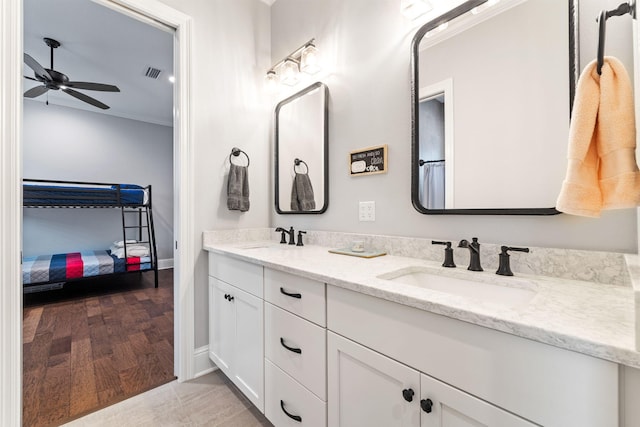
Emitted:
<point x="201" y="362"/>
<point x="164" y="264"/>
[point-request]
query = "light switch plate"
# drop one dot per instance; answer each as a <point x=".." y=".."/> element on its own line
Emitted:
<point x="367" y="211"/>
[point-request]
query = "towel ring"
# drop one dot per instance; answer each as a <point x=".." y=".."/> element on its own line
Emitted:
<point x="623" y="9"/>
<point x="235" y="151"/>
<point x="297" y="162"/>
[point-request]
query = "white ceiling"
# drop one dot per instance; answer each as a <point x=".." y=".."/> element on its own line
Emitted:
<point x="103" y="46"/>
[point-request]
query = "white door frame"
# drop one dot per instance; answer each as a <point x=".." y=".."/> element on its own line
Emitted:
<point x="11" y="57"/>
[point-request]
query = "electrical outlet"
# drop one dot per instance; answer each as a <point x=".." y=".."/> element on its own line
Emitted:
<point x="367" y="211"/>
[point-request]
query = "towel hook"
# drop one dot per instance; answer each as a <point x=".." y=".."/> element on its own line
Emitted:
<point x="623" y="9"/>
<point x="235" y="151"/>
<point x="297" y="162"/>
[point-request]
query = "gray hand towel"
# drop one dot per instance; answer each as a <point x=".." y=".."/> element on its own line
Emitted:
<point x="238" y="188"/>
<point x="302" y="198"/>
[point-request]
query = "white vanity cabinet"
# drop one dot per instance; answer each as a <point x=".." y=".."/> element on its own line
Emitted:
<point x="369" y="389"/>
<point x="472" y="375"/>
<point x="236" y="324"/>
<point x="295" y="350"/>
<point x="444" y="406"/>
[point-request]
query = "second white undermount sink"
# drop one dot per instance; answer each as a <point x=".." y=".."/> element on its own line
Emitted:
<point x="497" y="294"/>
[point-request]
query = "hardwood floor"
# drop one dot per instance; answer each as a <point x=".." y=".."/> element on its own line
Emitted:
<point x="95" y="343"/>
<point x="211" y="400"/>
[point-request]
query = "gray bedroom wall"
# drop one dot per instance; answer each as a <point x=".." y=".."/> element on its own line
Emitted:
<point x="62" y="143"/>
<point x="366" y="47"/>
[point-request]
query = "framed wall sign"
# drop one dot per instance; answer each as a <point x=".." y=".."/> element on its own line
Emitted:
<point x="368" y="161"/>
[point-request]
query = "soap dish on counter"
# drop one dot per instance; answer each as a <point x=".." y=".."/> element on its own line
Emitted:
<point x="363" y="254"/>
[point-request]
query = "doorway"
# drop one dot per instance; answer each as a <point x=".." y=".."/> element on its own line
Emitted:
<point x="11" y="188"/>
<point x="102" y="339"/>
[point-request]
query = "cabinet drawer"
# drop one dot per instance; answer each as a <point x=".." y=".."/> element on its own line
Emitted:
<point x="308" y="366"/>
<point x="306" y="297"/>
<point x="545" y="384"/>
<point x="240" y="274"/>
<point x="283" y="393"/>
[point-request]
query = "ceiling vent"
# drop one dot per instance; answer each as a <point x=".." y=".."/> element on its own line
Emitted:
<point x="152" y="73"/>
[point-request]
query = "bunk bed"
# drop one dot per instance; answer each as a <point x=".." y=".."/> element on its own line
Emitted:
<point x="134" y="201"/>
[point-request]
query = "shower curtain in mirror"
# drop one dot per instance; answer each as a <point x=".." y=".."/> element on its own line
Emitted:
<point x="432" y="193"/>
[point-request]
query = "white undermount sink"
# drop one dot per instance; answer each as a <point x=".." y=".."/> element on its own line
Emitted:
<point x="510" y="295"/>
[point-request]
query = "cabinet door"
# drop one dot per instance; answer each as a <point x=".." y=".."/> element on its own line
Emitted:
<point x="221" y="325"/>
<point x="445" y="406"/>
<point x="248" y="370"/>
<point x="366" y="388"/>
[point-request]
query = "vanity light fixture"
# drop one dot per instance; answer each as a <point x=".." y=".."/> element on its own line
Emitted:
<point x="287" y="71"/>
<point x="271" y="80"/>
<point x="413" y="9"/>
<point x="309" y="59"/>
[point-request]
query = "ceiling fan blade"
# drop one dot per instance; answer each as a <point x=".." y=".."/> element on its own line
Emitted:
<point x="31" y="78"/>
<point x="85" y="98"/>
<point x="92" y="86"/>
<point x="36" y="67"/>
<point x="34" y="92"/>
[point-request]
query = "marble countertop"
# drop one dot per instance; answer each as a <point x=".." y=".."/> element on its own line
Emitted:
<point x="585" y="317"/>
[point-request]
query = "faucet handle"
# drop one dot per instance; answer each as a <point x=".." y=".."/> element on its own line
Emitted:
<point x="282" y="231"/>
<point x="300" y="233"/>
<point x="504" y="267"/>
<point x="448" y="253"/>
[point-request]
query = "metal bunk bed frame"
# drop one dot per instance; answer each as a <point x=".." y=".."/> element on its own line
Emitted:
<point x="108" y="196"/>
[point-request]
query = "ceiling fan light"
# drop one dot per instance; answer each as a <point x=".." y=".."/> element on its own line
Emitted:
<point x="289" y="73"/>
<point x="309" y="62"/>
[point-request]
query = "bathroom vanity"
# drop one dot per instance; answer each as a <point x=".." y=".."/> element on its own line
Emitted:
<point x="328" y="340"/>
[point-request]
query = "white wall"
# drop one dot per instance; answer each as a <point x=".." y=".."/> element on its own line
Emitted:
<point x="62" y="143"/>
<point x="230" y="55"/>
<point x="366" y="45"/>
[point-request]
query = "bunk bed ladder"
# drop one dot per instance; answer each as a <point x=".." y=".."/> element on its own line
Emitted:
<point x="144" y="222"/>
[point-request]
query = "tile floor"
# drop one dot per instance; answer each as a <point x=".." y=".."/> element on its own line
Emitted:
<point x="211" y="400"/>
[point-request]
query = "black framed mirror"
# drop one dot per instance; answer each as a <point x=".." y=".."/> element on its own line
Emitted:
<point x="491" y="103"/>
<point x="301" y="152"/>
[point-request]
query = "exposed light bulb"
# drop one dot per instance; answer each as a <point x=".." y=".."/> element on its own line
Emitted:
<point x="413" y="9"/>
<point x="309" y="62"/>
<point x="289" y="73"/>
<point x="172" y="79"/>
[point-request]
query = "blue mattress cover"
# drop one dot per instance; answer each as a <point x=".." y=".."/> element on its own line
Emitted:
<point x="55" y="195"/>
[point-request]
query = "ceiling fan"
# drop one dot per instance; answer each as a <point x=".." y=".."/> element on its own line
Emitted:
<point x="55" y="80"/>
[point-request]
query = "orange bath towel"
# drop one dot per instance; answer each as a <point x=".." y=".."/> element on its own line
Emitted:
<point x="602" y="171"/>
